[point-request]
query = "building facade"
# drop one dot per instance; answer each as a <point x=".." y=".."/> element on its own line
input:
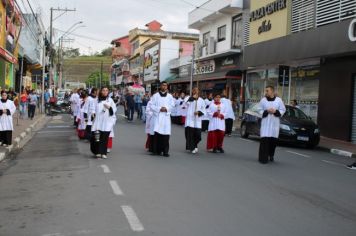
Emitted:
<point x="307" y="50"/>
<point x="10" y="28"/>
<point x="142" y="39"/>
<point x="218" y="55"/>
<point x="120" y="69"/>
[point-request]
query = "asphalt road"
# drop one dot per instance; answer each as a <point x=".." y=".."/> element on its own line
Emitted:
<point x="55" y="188"/>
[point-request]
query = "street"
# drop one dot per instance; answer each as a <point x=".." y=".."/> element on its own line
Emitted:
<point x="55" y="188"/>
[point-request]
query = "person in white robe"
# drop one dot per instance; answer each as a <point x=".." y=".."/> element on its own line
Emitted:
<point x="103" y="123"/>
<point x="7" y="110"/>
<point x="81" y="118"/>
<point x="149" y="127"/>
<point x="74" y="101"/>
<point x="230" y="115"/>
<point x="216" y="134"/>
<point x="162" y="105"/>
<point x="175" y="114"/>
<point x="272" y="109"/>
<point x="205" y="118"/>
<point x="193" y="123"/>
<point x="89" y="111"/>
<point x="181" y="109"/>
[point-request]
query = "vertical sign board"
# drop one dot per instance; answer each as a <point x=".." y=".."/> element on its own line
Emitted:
<point x="283" y="76"/>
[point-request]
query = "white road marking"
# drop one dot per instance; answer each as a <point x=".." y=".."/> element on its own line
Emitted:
<point x="105" y="169"/>
<point x="298" y="154"/>
<point x="80" y="232"/>
<point x="116" y="188"/>
<point x="333" y="163"/>
<point x="57" y="117"/>
<point x="132" y="218"/>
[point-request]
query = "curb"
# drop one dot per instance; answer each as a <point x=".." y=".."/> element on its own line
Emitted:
<point x="22" y="139"/>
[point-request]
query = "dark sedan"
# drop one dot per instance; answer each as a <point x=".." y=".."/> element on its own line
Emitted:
<point x="295" y="128"/>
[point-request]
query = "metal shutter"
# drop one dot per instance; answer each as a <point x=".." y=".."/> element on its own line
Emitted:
<point x="330" y="11"/>
<point x="353" y="132"/>
<point x="303" y="15"/>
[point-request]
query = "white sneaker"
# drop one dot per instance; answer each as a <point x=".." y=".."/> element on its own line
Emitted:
<point x="109" y="150"/>
<point x="98" y="156"/>
<point x="195" y="151"/>
<point x="4" y="145"/>
<point x="104" y="156"/>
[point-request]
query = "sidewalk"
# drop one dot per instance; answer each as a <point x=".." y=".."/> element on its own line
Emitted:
<point x="23" y="131"/>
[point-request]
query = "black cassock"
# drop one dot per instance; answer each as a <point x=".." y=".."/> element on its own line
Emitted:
<point x="192" y="137"/>
<point x="160" y="144"/>
<point x="267" y="149"/>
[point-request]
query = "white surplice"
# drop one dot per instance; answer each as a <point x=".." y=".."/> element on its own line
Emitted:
<point x="82" y="124"/>
<point x="89" y="108"/>
<point x="162" y="120"/>
<point x="150" y="124"/>
<point x="6" y="121"/>
<point x="270" y="124"/>
<point x="215" y="123"/>
<point x="229" y="111"/>
<point x="75" y="101"/>
<point x="103" y="121"/>
<point x="192" y="120"/>
<point x="207" y="104"/>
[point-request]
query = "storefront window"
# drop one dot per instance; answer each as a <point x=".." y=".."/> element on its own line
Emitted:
<point x="256" y="82"/>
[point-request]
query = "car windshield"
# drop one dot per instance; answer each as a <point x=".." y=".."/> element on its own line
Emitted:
<point x="295" y="113"/>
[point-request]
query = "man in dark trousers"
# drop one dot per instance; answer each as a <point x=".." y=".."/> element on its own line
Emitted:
<point x="130" y="106"/>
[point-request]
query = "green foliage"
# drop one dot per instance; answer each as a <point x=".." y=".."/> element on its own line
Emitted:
<point x="94" y="79"/>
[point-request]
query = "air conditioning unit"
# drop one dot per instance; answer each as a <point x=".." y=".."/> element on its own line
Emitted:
<point x="211" y="45"/>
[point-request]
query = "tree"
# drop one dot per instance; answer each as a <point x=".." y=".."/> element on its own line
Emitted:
<point x="94" y="79"/>
<point x="107" y="52"/>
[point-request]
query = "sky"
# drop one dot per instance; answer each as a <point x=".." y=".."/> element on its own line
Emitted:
<point x="105" y="20"/>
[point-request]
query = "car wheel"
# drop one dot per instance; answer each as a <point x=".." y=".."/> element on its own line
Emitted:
<point x="312" y="145"/>
<point x="243" y="131"/>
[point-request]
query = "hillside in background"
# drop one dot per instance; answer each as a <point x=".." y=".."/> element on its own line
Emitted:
<point x="79" y="68"/>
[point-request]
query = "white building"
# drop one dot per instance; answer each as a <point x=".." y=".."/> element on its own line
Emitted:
<point x="218" y="56"/>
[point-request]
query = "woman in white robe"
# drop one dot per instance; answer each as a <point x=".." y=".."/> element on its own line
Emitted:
<point x="216" y="134"/>
<point x="230" y="116"/>
<point x="7" y="110"/>
<point x="149" y="129"/>
<point x="89" y="111"/>
<point x="103" y="123"/>
<point x="205" y="118"/>
<point x="272" y="108"/>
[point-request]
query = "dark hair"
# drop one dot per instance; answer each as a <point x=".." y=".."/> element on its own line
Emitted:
<point x="101" y="97"/>
<point x="93" y="90"/>
<point x="295" y="102"/>
<point x="84" y="94"/>
<point x="270" y="86"/>
<point x="216" y="94"/>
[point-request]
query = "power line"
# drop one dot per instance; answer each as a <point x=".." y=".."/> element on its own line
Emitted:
<point x="86" y="37"/>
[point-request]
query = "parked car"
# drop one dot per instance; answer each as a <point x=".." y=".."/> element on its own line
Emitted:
<point x="295" y="128"/>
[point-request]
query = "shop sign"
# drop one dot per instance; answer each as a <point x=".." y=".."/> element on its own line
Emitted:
<point x="184" y="71"/>
<point x="269" y="9"/>
<point x="228" y="61"/>
<point x="352" y="31"/>
<point x="265" y="27"/>
<point x="205" y="67"/>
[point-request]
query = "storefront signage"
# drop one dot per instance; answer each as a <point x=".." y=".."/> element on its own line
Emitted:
<point x="205" y="67"/>
<point x="352" y="31"/>
<point x="184" y="71"/>
<point x="151" y="63"/>
<point x="228" y="61"/>
<point x="269" y="9"/>
<point x="265" y="27"/>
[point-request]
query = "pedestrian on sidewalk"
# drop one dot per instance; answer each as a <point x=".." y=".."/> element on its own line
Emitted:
<point x="47" y="97"/>
<point x="138" y="105"/>
<point x="195" y="111"/>
<point x="272" y="108"/>
<point x="7" y="109"/>
<point x="74" y="101"/>
<point x="230" y="115"/>
<point x="162" y="105"/>
<point x="216" y="134"/>
<point x="23" y="104"/>
<point x="103" y="123"/>
<point x="205" y="118"/>
<point x="32" y="104"/>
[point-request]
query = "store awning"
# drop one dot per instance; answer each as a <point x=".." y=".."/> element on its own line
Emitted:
<point x="213" y="76"/>
<point x="171" y="78"/>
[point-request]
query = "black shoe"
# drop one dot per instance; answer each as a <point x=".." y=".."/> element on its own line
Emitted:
<point x="352" y="166"/>
<point x="271" y="159"/>
<point x="166" y="155"/>
<point x="215" y="150"/>
<point x="221" y="150"/>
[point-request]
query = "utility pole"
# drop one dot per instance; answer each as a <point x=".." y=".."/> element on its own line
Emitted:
<point x="101" y="73"/>
<point x="51" y="37"/>
<point x="192" y="70"/>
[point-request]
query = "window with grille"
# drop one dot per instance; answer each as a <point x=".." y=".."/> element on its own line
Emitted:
<point x="236" y="32"/>
<point x="303" y="15"/>
<point x="330" y="11"/>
